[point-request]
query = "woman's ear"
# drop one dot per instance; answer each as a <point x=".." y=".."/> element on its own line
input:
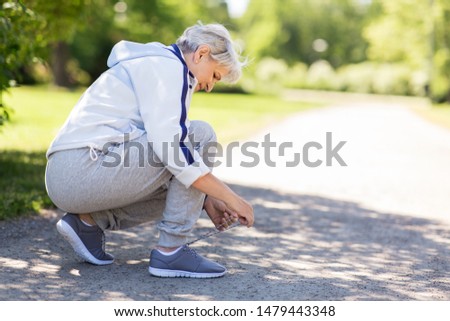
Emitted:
<point x="202" y="52"/>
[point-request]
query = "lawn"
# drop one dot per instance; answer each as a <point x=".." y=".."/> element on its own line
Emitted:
<point x="40" y="111"/>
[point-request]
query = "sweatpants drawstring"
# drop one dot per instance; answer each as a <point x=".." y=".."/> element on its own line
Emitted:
<point x="93" y="153"/>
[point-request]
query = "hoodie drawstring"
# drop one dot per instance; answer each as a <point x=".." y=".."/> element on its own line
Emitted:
<point x="93" y="153"/>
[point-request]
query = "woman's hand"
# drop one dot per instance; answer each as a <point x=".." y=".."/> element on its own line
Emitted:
<point x="242" y="209"/>
<point x="235" y="205"/>
<point x="219" y="213"/>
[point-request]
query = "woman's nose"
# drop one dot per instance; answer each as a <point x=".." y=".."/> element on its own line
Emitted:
<point x="210" y="87"/>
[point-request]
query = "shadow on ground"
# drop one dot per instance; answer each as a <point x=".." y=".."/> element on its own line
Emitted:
<point x="302" y="247"/>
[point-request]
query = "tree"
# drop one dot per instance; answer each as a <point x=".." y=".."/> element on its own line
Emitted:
<point x="400" y="33"/>
<point x="440" y="51"/>
<point x="62" y="20"/>
<point x="27" y="29"/>
<point x="306" y="30"/>
<point x="140" y="21"/>
<point x="55" y="30"/>
<point x="20" y="31"/>
<point x="415" y="32"/>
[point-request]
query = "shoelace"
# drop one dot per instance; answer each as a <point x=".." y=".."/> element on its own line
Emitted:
<point x="103" y="242"/>
<point x="186" y="248"/>
<point x="209" y="234"/>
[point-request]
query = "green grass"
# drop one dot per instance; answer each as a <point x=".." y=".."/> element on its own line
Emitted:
<point x="237" y="116"/>
<point x="40" y="111"/>
<point x="22" y="183"/>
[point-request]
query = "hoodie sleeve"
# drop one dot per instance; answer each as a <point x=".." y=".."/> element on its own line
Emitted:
<point x="162" y="88"/>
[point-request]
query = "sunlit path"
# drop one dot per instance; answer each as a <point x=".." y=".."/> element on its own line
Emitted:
<point x="396" y="161"/>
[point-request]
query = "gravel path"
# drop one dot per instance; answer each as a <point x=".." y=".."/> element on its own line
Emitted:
<point x="377" y="229"/>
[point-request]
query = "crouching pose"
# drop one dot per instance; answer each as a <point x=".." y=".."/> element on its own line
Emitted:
<point x="128" y="154"/>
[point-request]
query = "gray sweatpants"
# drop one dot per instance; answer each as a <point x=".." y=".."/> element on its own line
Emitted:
<point x="133" y="192"/>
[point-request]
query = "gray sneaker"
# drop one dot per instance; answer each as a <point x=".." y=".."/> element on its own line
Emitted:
<point x="87" y="241"/>
<point x="185" y="263"/>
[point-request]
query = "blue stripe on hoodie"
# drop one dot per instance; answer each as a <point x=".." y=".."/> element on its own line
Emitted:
<point x="187" y="153"/>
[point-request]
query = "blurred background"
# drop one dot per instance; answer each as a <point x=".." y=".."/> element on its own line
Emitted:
<point x="373" y="73"/>
<point x="51" y="50"/>
<point x="373" y="46"/>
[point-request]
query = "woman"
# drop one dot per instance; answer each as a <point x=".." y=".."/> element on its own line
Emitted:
<point x="128" y="154"/>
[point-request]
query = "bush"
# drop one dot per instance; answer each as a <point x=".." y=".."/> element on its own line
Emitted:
<point x="229" y="88"/>
<point x="270" y="75"/>
<point x="386" y="79"/>
<point x="18" y="29"/>
<point x="321" y="75"/>
<point x="265" y="77"/>
<point x="296" y="76"/>
<point x="440" y="85"/>
<point x="392" y="79"/>
<point x="356" y="77"/>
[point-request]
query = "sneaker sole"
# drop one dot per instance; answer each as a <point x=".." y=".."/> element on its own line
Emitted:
<point x="183" y="274"/>
<point x="80" y="249"/>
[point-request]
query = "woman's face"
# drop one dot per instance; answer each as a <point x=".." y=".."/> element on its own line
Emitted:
<point x="205" y="69"/>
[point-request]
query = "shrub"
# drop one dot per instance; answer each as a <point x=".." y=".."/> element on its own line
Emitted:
<point x="392" y="79"/>
<point x="321" y="75"/>
<point x="296" y="76"/>
<point x="386" y="78"/>
<point x="265" y="77"/>
<point x="270" y="75"/>
<point x="440" y="85"/>
<point x="356" y="77"/>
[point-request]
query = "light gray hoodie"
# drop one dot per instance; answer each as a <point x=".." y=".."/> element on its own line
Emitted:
<point x="147" y="90"/>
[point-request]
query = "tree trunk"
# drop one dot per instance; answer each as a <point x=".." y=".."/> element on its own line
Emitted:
<point x="60" y="58"/>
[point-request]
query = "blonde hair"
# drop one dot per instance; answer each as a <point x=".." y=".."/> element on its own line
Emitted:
<point x="223" y="49"/>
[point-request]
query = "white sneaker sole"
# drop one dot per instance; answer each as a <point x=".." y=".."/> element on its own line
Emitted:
<point x="69" y="234"/>
<point x="183" y="274"/>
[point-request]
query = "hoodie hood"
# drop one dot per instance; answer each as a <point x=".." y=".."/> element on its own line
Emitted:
<point x="126" y="50"/>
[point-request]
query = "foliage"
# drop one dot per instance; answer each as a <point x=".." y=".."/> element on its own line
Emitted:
<point x="90" y="47"/>
<point x="440" y="74"/>
<point x="321" y="75"/>
<point x="265" y="76"/>
<point x="296" y="76"/>
<point x="19" y="42"/>
<point x="20" y="39"/>
<point x="288" y="29"/>
<point x="27" y="28"/>
<point x="365" y="77"/>
<point x="141" y="21"/>
<point x="61" y="20"/>
<point x="440" y="82"/>
<point x="318" y="37"/>
<point x="401" y="28"/>
<point x="406" y="42"/>
<point x="415" y="33"/>
<point x="163" y="21"/>
<point x="379" y="78"/>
